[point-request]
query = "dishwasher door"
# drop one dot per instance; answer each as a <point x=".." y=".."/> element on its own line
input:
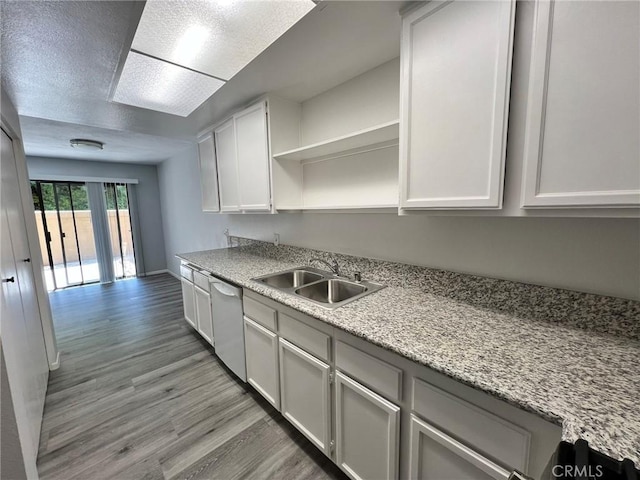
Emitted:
<point x="228" y="329"/>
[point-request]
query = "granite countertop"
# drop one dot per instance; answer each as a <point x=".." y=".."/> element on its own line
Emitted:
<point x="586" y="381"/>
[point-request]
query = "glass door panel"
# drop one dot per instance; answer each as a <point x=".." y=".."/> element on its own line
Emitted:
<point x="67" y="242"/>
<point x="69" y="235"/>
<point x="84" y="233"/>
<point x="117" y="198"/>
<point x="42" y="209"/>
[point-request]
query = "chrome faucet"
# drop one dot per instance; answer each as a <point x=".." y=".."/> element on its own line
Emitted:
<point x="334" y="267"/>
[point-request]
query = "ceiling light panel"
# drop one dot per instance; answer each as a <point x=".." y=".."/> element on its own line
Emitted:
<point x="156" y="85"/>
<point x="217" y="37"/>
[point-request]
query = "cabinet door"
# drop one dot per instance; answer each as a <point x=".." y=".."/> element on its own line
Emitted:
<point x="455" y="83"/>
<point x="367" y="432"/>
<point x="203" y="313"/>
<point x="583" y="113"/>
<point x="304" y="394"/>
<point x="261" y="347"/>
<point x="189" y="303"/>
<point x="436" y="456"/>
<point x="208" y="174"/>
<point x="225" y="144"/>
<point x="253" y="158"/>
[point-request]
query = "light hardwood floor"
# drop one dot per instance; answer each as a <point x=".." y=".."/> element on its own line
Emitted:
<point x="140" y="396"/>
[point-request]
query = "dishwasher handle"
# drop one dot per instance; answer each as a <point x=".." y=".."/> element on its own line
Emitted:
<point x="226" y="289"/>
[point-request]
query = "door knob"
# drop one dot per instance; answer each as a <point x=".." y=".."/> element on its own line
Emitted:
<point x="9" y="280"/>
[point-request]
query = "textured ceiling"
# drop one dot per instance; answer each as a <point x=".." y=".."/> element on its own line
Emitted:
<point x="217" y="38"/>
<point x="60" y="58"/>
<point x="151" y="83"/>
<point x="47" y="138"/>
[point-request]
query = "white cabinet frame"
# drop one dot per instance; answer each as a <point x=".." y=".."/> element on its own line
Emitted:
<point x="227" y="169"/>
<point x="421" y="429"/>
<point x="343" y="382"/>
<point x="272" y="397"/>
<point x="501" y="94"/>
<point x="286" y="348"/>
<point x="261" y="168"/>
<point x="208" y="173"/>
<point x="535" y="126"/>
<point x="188" y="303"/>
<point x="204" y="313"/>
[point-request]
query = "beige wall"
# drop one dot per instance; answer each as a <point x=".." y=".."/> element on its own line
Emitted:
<point x="85" y="234"/>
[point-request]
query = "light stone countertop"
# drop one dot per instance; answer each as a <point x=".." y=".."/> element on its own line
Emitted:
<point x="586" y="381"/>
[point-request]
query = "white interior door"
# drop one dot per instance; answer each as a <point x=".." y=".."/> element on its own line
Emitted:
<point x="20" y="324"/>
<point x="253" y="158"/>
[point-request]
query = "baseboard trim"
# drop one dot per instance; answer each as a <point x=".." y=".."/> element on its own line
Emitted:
<point x="178" y="277"/>
<point x="156" y="272"/>
<point x="55" y="365"/>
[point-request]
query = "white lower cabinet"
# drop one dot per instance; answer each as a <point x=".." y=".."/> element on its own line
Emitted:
<point x="346" y="396"/>
<point x="305" y="398"/>
<point x="261" y="347"/>
<point x="204" y="313"/>
<point x="367" y="432"/>
<point x="437" y="456"/>
<point x="188" y="301"/>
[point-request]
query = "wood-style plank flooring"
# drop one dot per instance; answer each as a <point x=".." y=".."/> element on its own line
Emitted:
<point x="140" y="396"/>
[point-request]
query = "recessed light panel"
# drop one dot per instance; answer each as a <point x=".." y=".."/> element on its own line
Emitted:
<point x="215" y="37"/>
<point x="156" y="85"/>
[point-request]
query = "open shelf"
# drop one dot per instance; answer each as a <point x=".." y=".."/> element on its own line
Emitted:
<point x="359" y="141"/>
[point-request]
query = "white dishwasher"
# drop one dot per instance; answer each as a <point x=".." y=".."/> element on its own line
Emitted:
<point x="228" y="327"/>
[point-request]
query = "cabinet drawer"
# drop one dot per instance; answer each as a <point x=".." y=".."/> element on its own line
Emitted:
<point x="375" y="373"/>
<point x="480" y="430"/>
<point x="201" y="280"/>
<point x="305" y="337"/>
<point x="186" y="272"/>
<point x="258" y="312"/>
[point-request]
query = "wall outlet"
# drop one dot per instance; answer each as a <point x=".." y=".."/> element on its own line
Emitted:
<point x="276" y="239"/>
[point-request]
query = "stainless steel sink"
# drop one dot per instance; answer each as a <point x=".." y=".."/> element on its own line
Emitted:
<point x="291" y="279"/>
<point x="331" y="291"/>
<point x="318" y="286"/>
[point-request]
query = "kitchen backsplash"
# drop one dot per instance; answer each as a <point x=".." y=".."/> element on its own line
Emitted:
<point x="616" y="316"/>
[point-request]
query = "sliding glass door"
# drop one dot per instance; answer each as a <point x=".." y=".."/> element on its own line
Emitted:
<point x="124" y="260"/>
<point x="63" y="218"/>
<point x="67" y="236"/>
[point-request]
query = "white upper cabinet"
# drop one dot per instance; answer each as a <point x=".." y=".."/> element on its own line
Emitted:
<point x="582" y="145"/>
<point x="252" y="151"/>
<point x="208" y="174"/>
<point x="225" y="141"/>
<point x="455" y="84"/>
<point x="244" y="167"/>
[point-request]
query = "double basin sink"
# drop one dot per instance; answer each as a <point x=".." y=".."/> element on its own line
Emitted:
<point x="318" y="286"/>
